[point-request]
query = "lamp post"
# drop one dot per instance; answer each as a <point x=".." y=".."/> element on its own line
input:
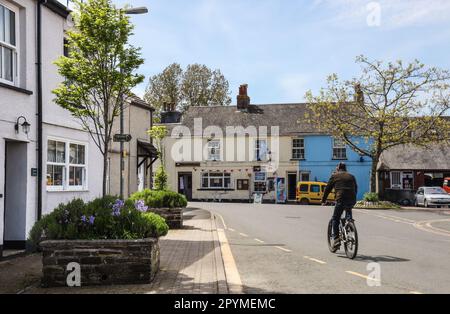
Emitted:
<point x="130" y="11"/>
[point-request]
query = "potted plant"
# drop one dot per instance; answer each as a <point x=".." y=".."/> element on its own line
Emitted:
<point x="112" y="242"/>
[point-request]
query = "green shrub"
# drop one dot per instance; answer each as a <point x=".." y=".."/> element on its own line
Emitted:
<point x="103" y="218"/>
<point x="160" y="199"/>
<point x="371" y="197"/>
<point x="161" y="178"/>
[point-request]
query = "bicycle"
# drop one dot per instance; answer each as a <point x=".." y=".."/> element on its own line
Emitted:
<point x="348" y="236"/>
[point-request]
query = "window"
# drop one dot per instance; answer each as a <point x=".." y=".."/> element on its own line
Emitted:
<point x="315" y="188"/>
<point x="66" y="165"/>
<point x="304" y="176"/>
<point x="304" y="188"/>
<point x="8" y="48"/>
<point x="298" y="148"/>
<point x="339" y="149"/>
<point x="214" y="152"/>
<point x="396" y="182"/>
<point x="260" y="187"/>
<point x="242" y="185"/>
<point x="261" y="150"/>
<point x="213" y="180"/>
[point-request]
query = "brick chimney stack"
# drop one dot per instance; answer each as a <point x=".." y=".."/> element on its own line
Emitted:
<point x="243" y="101"/>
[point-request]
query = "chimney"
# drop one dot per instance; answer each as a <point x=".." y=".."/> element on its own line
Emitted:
<point x="169" y="114"/>
<point x="359" y="94"/>
<point x="243" y="101"/>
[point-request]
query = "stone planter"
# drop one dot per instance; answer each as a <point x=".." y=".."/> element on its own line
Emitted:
<point x="173" y="216"/>
<point x="102" y="262"/>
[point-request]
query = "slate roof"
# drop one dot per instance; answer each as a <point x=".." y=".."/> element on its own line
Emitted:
<point x="289" y="117"/>
<point x="411" y="157"/>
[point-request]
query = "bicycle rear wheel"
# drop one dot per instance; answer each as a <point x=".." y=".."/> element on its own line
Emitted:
<point x="330" y="238"/>
<point x="351" y="243"/>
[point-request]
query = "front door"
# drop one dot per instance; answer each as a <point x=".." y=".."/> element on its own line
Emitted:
<point x="185" y="185"/>
<point x="15" y="197"/>
<point x="292" y="186"/>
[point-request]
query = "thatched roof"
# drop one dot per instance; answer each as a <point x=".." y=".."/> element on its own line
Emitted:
<point x="412" y="157"/>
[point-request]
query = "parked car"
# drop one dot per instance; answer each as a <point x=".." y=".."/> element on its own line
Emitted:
<point x="432" y="196"/>
<point x="446" y="186"/>
<point x="312" y="192"/>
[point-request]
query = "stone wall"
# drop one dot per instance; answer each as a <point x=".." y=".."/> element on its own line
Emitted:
<point x="103" y="262"/>
<point x="173" y="216"/>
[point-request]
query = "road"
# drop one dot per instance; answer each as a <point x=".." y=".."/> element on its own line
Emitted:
<point x="282" y="249"/>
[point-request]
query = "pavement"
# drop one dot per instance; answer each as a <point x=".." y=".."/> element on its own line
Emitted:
<point x="283" y="249"/>
<point x="191" y="263"/>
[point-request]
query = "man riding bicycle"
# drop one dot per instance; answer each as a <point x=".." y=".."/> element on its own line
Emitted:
<point x="346" y="189"/>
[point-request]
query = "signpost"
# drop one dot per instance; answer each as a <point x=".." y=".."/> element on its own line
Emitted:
<point x="122" y="138"/>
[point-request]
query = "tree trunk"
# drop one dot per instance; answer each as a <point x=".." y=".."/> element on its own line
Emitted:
<point x="373" y="175"/>
<point x="105" y="170"/>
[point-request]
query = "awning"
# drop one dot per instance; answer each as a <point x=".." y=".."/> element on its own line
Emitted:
<point x="146" y="152"/>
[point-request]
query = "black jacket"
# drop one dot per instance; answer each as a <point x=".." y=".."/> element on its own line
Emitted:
<point x="344" y="185"/>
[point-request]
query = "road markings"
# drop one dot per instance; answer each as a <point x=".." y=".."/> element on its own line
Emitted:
<point x="243" y="235"/>
<point x="427" y="226"/>
<point x="260" y="241"/>
<point x="315" y="260"/>
<point x="283" y="249"/>
<point x="361" y="275"/>
<point x="223" y="221"/>
<point x="231" y="229"/>
<point x="388" y="217"/>
<point x="415" y="292"/>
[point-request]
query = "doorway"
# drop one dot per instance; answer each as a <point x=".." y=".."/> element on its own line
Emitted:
<point x="15" y="197"/>
<point x="291" y="186"/>
<point x="185" y="185"/>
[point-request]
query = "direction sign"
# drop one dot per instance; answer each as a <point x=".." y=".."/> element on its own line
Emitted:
<point x="122" y="138"/>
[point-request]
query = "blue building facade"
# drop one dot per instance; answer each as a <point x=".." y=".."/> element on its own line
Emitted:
<point x="323" y="153"/>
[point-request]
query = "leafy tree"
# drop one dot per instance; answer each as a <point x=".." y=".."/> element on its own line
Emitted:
<point x="158" y="133"/>
<point x="99" y="71"/>
<point x="388" y="105"/>
<point x="197" y="86"/>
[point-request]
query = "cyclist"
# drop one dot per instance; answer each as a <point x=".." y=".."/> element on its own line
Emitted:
<point x="346" y="189"/>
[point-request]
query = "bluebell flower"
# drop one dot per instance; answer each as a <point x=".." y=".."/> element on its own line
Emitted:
<point x="91" y="220"/>
<point x="140" y="206"/>
<point x="83" y="218"/>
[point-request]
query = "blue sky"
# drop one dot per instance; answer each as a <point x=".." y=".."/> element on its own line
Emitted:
<point x="282" y="48"/>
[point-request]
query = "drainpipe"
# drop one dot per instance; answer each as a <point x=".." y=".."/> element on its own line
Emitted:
<point x="39" y="105"/>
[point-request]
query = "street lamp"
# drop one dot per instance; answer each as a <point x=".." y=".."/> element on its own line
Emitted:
<point x="129" y="11"/>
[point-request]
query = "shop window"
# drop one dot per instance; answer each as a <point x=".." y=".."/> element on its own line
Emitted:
<point x="242" y="185"/>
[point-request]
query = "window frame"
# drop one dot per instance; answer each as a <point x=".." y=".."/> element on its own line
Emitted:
<point x="224" y="176"/>
<point x="258" y="150"/>
<point x="67" y="166"/>
<point x="14" y="48"/>
<point x="212" y="157"/>
<point x="298" y="148"/>
<point x="339" y="148"/>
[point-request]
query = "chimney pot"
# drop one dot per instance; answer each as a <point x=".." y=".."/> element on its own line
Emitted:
<point x="243" y="101"/>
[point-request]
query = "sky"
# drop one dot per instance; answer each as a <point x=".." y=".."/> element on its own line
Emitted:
<point x="283" y="48"/>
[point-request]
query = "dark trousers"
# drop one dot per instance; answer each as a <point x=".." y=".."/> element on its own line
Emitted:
<point x="338" y="210"/>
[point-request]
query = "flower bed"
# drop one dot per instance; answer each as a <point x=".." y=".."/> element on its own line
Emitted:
<point x="167" y="204"/>
<point x="376" y="205"/>
<point x="113" y="241"/>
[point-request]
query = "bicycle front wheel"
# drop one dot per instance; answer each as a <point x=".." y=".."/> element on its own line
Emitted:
<point x="351" y="243"/>
<point x="330" y="238"/>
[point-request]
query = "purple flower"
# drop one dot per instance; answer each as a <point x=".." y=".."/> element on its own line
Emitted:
<point x="140" y="206"/>
<point x="83" y="218"/>
<point x="117" y="206"/>
<point x="91" y="220"/>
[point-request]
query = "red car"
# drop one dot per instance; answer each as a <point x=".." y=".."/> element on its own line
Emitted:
<point x="446" y="186"/>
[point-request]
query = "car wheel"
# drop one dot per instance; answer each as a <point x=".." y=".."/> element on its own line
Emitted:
<point x="304" y="201"/>
<point x="416" y="203"/>
<point x="425" y="203"/>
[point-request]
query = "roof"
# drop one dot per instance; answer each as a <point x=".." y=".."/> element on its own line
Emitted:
<point x="412" y="157"/>
<point x="290" y="118"/>
<point x="57" y="7"/>
<point x="138" y="102"/>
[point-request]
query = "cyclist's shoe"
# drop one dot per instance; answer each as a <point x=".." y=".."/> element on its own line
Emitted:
<point x="337" y="244"/>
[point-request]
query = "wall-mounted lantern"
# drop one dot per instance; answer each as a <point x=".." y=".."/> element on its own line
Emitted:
<point x="25" y="125"/>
